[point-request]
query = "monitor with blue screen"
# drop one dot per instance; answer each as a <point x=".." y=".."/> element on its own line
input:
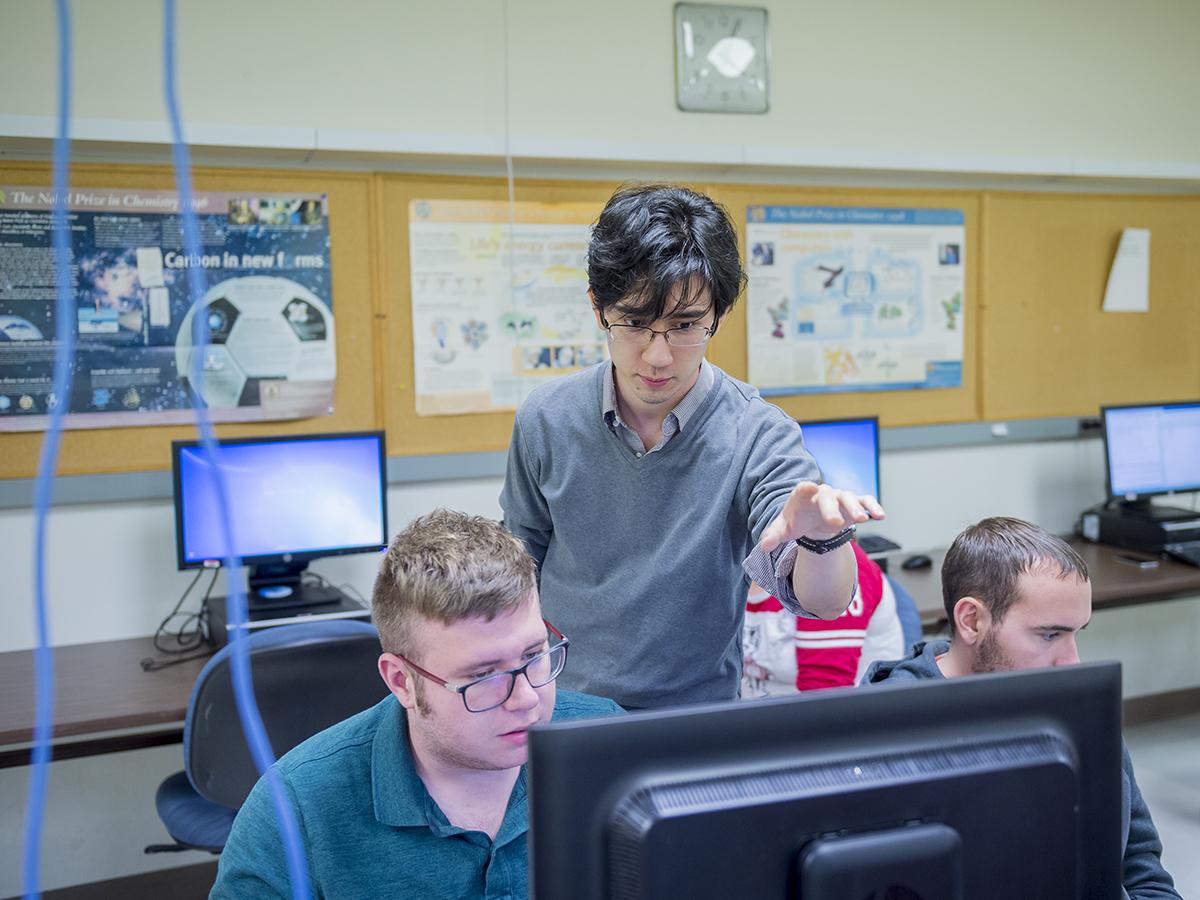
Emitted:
<point x="847" y="450"/>
<point x="1152" y="449"/>
<point x="291" y="499"/>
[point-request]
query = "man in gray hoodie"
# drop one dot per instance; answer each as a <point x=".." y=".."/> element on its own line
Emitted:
<point x="1017" y="597"/>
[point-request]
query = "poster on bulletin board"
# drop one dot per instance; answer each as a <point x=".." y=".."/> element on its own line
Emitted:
<point x="271" y="352"/>
<point x="854" y="298"/>
<point x="499" y="301"/>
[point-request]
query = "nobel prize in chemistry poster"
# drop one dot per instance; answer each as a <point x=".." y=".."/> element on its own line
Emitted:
<point x="271" y="350"/>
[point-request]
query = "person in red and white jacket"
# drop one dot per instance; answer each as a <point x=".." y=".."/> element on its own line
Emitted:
<point x="785" y="653"/>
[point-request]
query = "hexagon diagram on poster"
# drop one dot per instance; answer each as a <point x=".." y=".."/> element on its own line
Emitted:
<point x="269" y="339"/>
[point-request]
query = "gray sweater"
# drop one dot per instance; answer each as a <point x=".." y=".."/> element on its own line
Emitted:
<point x="641" y="559"/>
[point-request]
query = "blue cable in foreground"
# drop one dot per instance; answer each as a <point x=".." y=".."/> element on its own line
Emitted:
<point x="252" y="726"/>
<point x="57" y="404"/>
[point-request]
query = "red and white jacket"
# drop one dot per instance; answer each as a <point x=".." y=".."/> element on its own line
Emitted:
<point x="785" y="653"/>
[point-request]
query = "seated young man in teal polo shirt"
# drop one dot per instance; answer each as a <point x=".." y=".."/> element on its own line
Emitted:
<point x="423" y="795"/>
<point x="1017" y="598"/>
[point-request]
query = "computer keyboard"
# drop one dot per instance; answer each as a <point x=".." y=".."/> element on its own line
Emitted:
<point x="874" y="543"/>
<point x="1187" y="551"/>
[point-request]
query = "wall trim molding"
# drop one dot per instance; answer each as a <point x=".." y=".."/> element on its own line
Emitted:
<point x="133" y="140"/>
<point x="134" y="487"/>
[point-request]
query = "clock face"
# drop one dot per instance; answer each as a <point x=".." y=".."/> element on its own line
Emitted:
<point x="721" y="58"/>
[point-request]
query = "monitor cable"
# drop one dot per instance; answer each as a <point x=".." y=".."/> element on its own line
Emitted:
<point x="191" y="635"/>
<point x="57" y="403"/>
<point x="346" y="588"/>
<point x="257" y="740"/>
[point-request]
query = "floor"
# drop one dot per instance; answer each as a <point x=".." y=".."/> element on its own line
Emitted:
<point x="1166" y="761"/>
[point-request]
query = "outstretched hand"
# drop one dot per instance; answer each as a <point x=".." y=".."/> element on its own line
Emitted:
<point x="818" y="512"/>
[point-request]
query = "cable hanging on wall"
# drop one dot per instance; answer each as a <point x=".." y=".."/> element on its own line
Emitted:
<point x="58" y="402"/>
<point x="252" y="726"/>
<point x="510" y="180"/>
<point x="57" y="405"/>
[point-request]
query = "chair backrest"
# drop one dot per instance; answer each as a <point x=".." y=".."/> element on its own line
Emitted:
<point x="306" y="677"/>
<point x="910" y="616"/>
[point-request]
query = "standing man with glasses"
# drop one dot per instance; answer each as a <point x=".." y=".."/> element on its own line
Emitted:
<point x="652" y="488"/>
<point x="423" y="795"/>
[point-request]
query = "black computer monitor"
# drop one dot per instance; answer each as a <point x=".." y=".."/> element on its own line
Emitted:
<point x="1151" y="449"/>
<point x="976" y="788"/>
<point x="292" y="500"/>
<point x="847" y="451"/>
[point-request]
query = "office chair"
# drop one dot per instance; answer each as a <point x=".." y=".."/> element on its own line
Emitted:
<point x="910" y="617"/>
<point x="306" y="677"/>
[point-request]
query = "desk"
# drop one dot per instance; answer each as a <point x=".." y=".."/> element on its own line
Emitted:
<point x="1113" y="584"/>
<point x="104" y="701"/>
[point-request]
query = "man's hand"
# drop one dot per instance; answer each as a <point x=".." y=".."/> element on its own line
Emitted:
<point x="818" y="512"/>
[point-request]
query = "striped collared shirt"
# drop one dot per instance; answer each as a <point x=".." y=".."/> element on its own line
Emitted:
<point x="675" y="421"/>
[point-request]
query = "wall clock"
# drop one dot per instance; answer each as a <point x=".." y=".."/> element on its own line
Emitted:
<point x="721" y="58"/>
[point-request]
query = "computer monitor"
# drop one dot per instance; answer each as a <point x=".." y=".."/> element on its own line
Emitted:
<point x="1151" y="449"/>
<point x="292" y="500"/>
<point x="982" y="787"/>
<point x="847" y="450"/>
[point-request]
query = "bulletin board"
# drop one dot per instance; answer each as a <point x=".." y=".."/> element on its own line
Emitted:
<point x="410" y="433"/>
<point x="1035" y="341"/>
<point x="110" y="450"/>
<point x="1047" y="347"/>
<point x="901" y="407"/>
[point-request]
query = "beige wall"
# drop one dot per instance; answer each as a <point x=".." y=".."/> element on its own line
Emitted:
<point x="1021" y="86"/>
<point x="1101" y="88"/>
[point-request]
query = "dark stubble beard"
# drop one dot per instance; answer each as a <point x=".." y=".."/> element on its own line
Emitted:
<point x="990" y="658"/>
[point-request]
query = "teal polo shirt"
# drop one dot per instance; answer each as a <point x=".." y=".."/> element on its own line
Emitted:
<point x="369" y="827"/>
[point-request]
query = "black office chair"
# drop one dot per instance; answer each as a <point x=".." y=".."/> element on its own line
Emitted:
<point x="306" y="678"/>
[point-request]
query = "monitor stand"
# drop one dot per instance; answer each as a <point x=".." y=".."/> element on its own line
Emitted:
<point x="276" y="587"/>
<point x="306" y="603"/>
<point x="1154" y="512"/>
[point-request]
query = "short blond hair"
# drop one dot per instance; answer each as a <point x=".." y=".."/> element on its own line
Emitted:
<point x="448" y="566"/>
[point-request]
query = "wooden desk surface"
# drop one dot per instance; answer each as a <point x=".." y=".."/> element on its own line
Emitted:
<point x="1113" y="583"/>
<point x="101" y="688"/>
<point x="98" y="688"/>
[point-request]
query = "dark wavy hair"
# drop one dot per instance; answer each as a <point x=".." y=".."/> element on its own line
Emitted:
<point x="656" y="247"/>
<point x="987" y="559"/>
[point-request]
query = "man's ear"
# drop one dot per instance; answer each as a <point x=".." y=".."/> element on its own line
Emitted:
<point x="400" y="681"/>
<point x="971" y="620"/>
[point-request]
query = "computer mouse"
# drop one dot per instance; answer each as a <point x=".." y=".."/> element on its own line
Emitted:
<point x="917" y="561"/>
